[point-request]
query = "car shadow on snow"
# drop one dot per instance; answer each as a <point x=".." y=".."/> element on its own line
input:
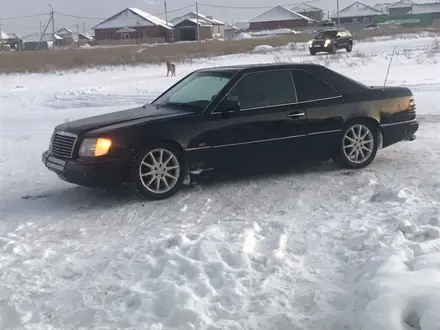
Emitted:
<point x="80" y="199"/>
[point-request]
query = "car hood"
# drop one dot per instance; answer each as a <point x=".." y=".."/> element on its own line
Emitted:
<point x="124" y="118"/>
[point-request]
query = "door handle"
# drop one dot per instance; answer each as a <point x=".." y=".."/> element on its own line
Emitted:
<point x="296" y="114"/>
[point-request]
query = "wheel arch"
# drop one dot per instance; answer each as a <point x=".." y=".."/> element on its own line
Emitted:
<point x="373" y="121"/>
<point x="139" y="146"/>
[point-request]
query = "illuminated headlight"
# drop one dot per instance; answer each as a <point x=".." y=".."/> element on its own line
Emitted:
<point x="327" y="42"/>
<point x="91" y="147"/>
<point x="310" y="43"/>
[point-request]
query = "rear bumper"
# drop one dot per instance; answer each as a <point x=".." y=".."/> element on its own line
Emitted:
<point x="400" y="131"/>
<point x="90" y="174"/>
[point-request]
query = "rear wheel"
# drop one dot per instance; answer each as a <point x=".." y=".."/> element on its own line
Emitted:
<point x="358" y="145"/>
<point x="158" y="171"/>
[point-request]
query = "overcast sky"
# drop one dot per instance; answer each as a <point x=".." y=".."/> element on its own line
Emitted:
<point x="105" y="8"/>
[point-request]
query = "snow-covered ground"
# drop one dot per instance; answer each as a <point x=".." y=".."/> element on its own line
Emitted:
<point x="321" y="248"/>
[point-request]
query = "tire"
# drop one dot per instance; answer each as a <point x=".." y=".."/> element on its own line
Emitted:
<point x="349" y="48"/>
<point x="334" y="49"/>
<point x="167" y="168"/>
<point x="312" y="53"/>
<point x="346" y="154"/>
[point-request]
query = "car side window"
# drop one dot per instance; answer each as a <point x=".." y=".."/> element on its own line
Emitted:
<point x="264" y="89"/>
<point x="311" y="88"/>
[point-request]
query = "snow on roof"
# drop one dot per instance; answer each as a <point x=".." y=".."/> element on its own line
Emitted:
<point x="402" y="4"/>
<point x="194" y="15"/>
<point x="304" y="7"/>
<point x="383" y="7"/>
<point x="36" y="37"/>
<point x="64" y="31"/>
<point x="151" y="18"/>
<point x="125" y="30"/>
<point x="213" y="20"/>
<point x="426" y="8"/>
<point x="201" y="22"/>
<point x="279" y="13"/>
<point x="230" y="27"/>
<point x="132" y="17"/>
<point x="358" y="9"/>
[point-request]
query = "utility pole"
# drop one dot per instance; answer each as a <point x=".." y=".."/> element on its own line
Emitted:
<point x="53" y="24"/>
<point x="166" y="12"/>
<point x="44" y="33"/>
<point x="1" y="37"/>
<point x="337" y="9"/>
<point x="41" y="28"/>
<point x="84" y="28"/>
<point x="198" y="27"/>
<point x="77" y="29"/>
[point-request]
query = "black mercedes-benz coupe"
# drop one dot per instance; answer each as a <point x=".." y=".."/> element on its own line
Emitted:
<point x="231" y="117"/>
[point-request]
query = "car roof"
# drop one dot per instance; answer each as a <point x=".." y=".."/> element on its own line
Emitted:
<point x="252" y="67"/>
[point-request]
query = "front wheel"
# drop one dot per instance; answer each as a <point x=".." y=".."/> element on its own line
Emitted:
<point x="334" y="49"/>
<point x="349" y="48"/>
<point x="157" y="171"/>
<point x="313" y="53"/>
<point x="358" y="145"/>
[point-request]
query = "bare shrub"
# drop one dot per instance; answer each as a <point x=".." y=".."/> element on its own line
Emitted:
<point x="435" y="46"/>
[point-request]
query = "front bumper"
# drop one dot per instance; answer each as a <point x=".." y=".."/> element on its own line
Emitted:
<point x="400" y="131"/>
<point x="89" y="174"/>
<point x="321" y="48"/>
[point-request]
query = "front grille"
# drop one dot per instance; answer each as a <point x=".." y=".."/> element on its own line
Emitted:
<point x="63" y="144"/>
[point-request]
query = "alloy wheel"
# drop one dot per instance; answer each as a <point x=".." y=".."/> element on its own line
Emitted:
<point x="358" y="144"/>
<point x="159" y="171"/>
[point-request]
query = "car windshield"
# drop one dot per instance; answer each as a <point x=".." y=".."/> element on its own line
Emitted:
<point x="195" y="92"/>
<point x="326" y="34"/>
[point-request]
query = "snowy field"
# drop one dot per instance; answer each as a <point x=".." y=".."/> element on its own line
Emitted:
<point x="310" y="249"/>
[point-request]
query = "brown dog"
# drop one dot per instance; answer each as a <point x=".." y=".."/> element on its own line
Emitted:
<point x="171" y="68"/>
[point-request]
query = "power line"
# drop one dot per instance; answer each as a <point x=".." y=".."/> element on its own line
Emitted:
<point x="20" y="17"/>
<point x="255" y="7"/>
<point x="103" y="18"/>
<point x="159" y="14"/>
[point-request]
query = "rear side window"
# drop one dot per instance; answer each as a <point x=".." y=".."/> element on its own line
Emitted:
<point x="264" y="89"/>
<point x="311" y="88"/>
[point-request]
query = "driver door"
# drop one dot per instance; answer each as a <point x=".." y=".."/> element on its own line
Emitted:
<point x="270" y="125"/>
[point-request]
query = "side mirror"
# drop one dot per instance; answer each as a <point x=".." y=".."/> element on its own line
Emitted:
<point x="230" y="104"/>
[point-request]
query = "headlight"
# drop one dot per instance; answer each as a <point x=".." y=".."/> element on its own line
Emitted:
<point x="95" y="147"/>
<point x="51" y="141"/>
<point x="327" y="42"/>
<point x="310" y="43"/>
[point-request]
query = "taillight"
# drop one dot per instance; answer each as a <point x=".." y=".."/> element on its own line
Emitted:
<point x="412" y="106"/>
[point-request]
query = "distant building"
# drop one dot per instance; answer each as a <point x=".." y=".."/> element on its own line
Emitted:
<point x="133" y="24"/>
<point x="426" y="8"/>
<point x="231" y="30"/>
<point x="279" y="17"/>
<point x="312" y="12"/>
<point x="183" y="25"/>
<point x="186" y="30"/>
<point x="357" y="13"/>
<point x="38" y="42"/>
<point x="12" y="40"/>
<point x="423" y="14"/>
<point x="382" y="7"/>
<point x="70" y="38"/>
<point x="402" y="7"/>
